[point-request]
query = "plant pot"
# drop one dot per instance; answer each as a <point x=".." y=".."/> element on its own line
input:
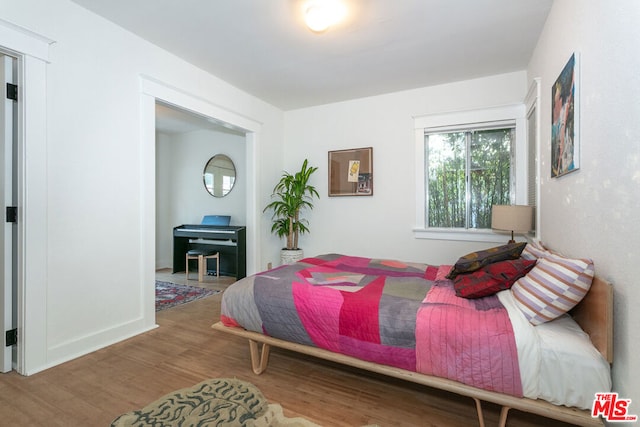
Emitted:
<point x="289" y="256"/>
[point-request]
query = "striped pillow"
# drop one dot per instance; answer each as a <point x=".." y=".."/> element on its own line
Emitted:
<point x="553" y="287"/>
<point x="534" y="250"/>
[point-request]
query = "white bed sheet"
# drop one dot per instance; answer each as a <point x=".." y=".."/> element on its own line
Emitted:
<point x="558" y="362"/>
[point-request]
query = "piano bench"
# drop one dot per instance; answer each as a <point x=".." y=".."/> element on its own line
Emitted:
<point x="202" y="256"/>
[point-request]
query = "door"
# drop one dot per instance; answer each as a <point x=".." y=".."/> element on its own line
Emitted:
<point x="7" y="195"/>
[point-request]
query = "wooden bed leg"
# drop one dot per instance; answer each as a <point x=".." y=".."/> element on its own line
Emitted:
<point x="259" y="359"/>
<point x="479" y="410"/>
<point x="503" y="416"/>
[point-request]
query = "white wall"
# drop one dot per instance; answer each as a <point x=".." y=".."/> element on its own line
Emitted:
<point x="381" y="225"/>
<point x="164" y="199"/>
<point x="181" y="197"/>
<point x="93" y="250"/>
<point x="594" y="212"/>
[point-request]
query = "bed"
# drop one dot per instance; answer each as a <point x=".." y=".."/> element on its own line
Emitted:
<point x="408" y="320"/>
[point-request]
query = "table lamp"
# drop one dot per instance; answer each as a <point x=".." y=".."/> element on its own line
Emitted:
<point x="513" y="218"/>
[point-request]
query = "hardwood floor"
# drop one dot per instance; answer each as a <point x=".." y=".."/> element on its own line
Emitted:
<point x="92" y="390"/>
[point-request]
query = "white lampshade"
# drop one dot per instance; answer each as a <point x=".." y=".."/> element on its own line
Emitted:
<point x="513" y="218"/>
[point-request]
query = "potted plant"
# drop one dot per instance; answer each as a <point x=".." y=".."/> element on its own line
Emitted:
<point x="292" y="194"/>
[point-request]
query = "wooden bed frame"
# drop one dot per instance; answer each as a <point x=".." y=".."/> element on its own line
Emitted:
<point x="594" y="314"/>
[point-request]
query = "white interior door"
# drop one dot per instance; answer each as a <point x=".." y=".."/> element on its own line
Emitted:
<point x="6" y="195"/>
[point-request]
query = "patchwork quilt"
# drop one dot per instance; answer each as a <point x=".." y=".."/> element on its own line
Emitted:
<point x="384" y="311"/>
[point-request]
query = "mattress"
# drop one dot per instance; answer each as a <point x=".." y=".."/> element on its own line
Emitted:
<point x="558" y="362"/>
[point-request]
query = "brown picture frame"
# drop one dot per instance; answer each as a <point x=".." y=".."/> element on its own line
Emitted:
<point x="351" y="172"/>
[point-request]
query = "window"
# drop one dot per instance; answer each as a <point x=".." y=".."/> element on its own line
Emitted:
<point x="468" y="172"/>
<point x="466" y="162"/>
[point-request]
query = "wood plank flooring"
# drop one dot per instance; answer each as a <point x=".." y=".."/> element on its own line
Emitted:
<point x="94" y="389"/>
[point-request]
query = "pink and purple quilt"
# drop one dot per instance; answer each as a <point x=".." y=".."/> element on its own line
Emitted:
<point x="389" y="312"/>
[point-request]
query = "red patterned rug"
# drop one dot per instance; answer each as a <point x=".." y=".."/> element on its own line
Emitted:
<point x="171" y="294"/>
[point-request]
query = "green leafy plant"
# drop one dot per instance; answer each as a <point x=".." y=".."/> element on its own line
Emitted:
<point x="292" y="194"/>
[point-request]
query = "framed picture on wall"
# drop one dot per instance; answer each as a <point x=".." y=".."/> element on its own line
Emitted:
<point x="351" y="172"/>
<point x="565" y="125"/>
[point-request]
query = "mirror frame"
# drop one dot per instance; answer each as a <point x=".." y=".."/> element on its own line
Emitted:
<point x="208" y="170"/>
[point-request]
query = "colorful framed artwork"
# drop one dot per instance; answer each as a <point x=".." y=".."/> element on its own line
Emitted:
<point x="565" y="125"/>
<point x="351" y="172"/>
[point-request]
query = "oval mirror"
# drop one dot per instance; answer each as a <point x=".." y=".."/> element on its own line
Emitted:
<point x="219" y="175"/>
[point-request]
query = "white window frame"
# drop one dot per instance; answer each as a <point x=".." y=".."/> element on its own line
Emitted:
<point x="452" y="121"/>
<point x="532" y="106"/>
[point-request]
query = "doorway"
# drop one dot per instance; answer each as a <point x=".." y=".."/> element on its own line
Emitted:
<point x="152" y="92"/>
<point x="185" y="142"/>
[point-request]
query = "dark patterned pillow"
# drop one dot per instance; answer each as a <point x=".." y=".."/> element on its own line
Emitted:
<point x="492" y="278"/>
<point x="476" y="260"/>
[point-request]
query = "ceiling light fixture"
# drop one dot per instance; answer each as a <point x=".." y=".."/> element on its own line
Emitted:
<point x="321" y="14"/>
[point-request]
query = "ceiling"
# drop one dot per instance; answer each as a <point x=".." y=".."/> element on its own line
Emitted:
<point x="263" y="47"/>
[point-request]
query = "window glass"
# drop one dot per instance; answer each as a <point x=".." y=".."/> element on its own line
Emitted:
<point x="446" y="188"/>
<point x="468" y="172"/>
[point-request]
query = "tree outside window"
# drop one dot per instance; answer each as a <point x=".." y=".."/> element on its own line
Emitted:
<point x="467" y="173"/>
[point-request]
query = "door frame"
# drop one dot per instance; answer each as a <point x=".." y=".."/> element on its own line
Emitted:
<point x="8" y="242"/>
<point x="31" y="51"/>
<point x="152" y="90"/>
